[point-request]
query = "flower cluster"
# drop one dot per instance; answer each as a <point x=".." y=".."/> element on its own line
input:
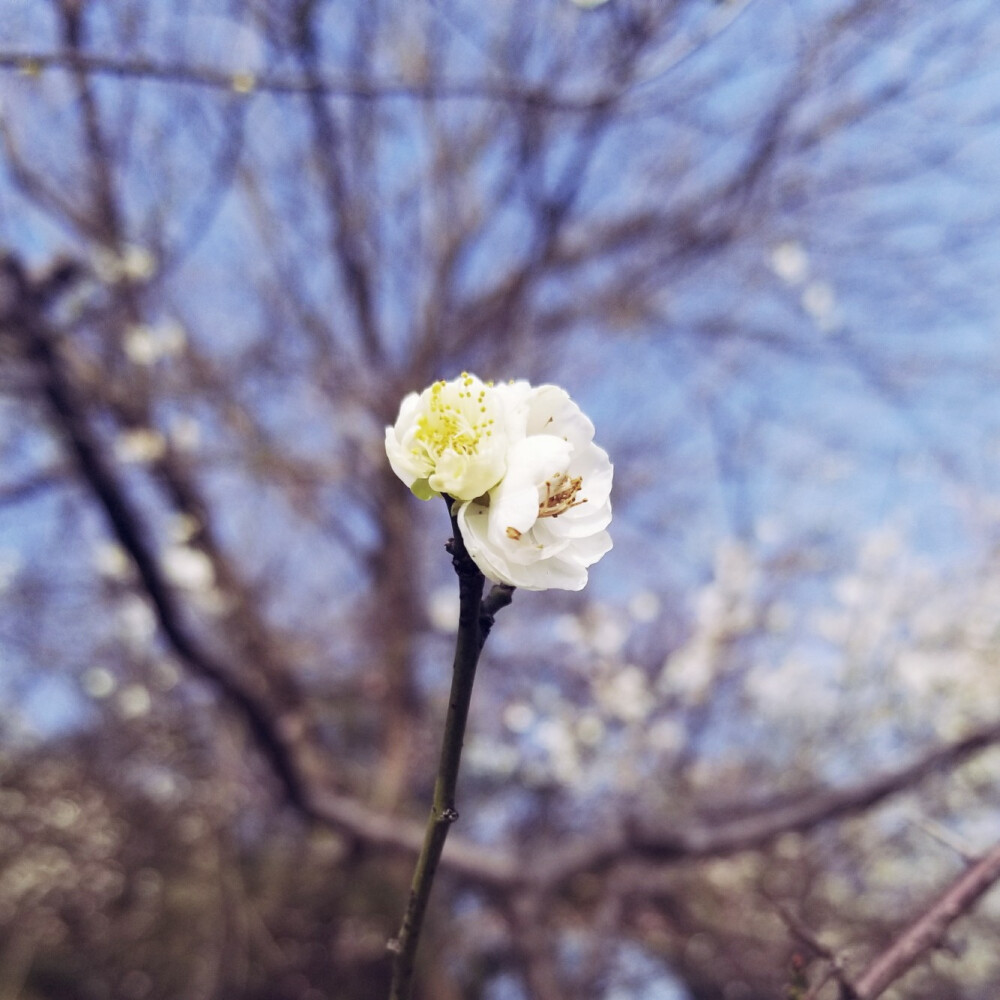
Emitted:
<point x="531" y="489"/>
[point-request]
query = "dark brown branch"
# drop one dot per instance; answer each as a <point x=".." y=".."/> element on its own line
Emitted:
<point x="554" y="866"/>
<point x="24" y="318"/>
<point x="106" y="205"/>
<point x="355" y="269"/>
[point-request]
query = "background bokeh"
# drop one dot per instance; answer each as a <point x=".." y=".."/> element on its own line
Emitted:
<point x="757" y="240"/>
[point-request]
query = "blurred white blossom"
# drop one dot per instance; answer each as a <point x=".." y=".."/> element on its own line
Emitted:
<point x="112" y="561"/>
<point x="644" y="606"/>
<point x="133" y="263"/>
<point x="443" y="609"/>
<point x="134" y="701"/>
<point x="604" y="631"/>
<point x="140" y="445"/>
<point x="188" y="568"/>
<point x="140" y="348"/>
<point x="689" y="671"/>
<point x="185" y="433"/>
<point x="556" y="738"/>
<point x="98" y="682"/>
<point x="789" y="262"/>
<point x="136" y="621"/>
<point x="625" y="694"/>
<point x="820" y="301"/>
<point x="145" y="345"/>
<point x="519" y="717"/>
<point x="590" y="729"/>
<point x="491" y="758"/>
<point x="569" y="629"/>
<point x="165" y="674"/>
<point x="665" y="735"/>
<point x="183" y="527"/>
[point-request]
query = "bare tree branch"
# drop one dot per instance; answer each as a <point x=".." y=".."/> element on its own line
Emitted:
<point x="29" y="487"/>
<point x="929" y="929"/>
<point x="369" y="89"/>
<point x="686" y="840"/>
<point x="25" y="321"/>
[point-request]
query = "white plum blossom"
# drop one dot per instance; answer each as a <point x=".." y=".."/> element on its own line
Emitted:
<point x="134" y="701"/>
<point x="99" y="682"/>
<point x="453" y="438"/>
<point x="532" y="491"/>
<point x="140" y="446"/>
<point x="188" y="568"/>
<point x="443" y="609"/>
<point x="790" y="262"/>
<point x="543" y="523"/>
<point x="145" y="345"/>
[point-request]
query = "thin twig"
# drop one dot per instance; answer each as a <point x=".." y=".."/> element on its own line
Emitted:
<point x="805" y="936"/>
<point x="247" y="82"/>
<point x="801" y="932"/>
<point x="474" y="614"/>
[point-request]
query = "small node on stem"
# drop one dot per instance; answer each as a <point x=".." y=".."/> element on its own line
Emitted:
<point x="449" y="815"/>
<point x="393" y="947"/>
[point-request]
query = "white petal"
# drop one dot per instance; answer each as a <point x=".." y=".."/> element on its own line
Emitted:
<point x="551" y="574"/>
<point x="581" y="521"/>
<point x="553" y="412"/>
<point x="473" y="522"/>
<point x="588" y="550"/>
<point x="513" y="512"/>
<point x="514" y="501"/>
<point x="453" y="437"/>
<point x="535" y="459"/>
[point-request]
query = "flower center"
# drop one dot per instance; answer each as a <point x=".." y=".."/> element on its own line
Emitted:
<point x="560" y="495"/>
<point x="457" y="418"/>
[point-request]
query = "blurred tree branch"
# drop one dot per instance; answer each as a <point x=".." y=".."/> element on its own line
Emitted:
<point x="927" y="931"/>
<point x="245" y="82"/>
<point x="24" y="319"/>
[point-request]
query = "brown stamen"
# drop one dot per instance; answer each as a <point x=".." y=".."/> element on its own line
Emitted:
<point x="560" y="495"/>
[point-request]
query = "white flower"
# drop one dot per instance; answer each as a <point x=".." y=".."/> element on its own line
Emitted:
<point x="188" y="568"/>
<point x="453" y="438"/>
<point x="112" y="561"/>
<point x="790" y="262"/>
<point x="543" y="523"/>
<point x="140" y="445"/>
<point x="145" y="345"/>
